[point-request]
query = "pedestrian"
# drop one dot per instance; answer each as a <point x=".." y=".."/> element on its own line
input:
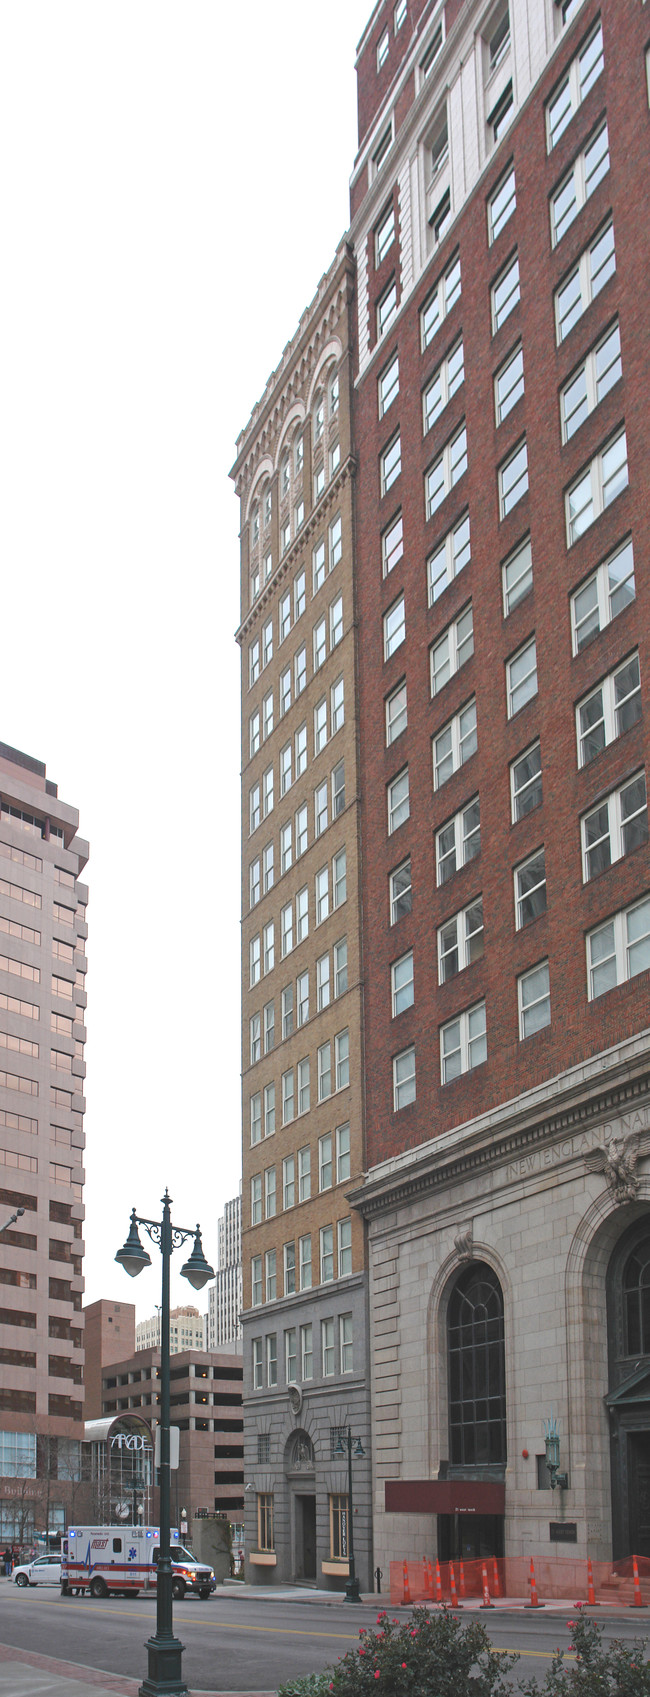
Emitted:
<point x="8" y="1561"/>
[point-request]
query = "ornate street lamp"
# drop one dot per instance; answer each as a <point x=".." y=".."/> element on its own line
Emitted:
<point x="352" y="1590"/>
<point x="164" y="1678"/>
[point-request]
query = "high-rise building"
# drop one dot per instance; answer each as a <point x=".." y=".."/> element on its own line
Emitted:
<point x="303" y="1251"/>
<point x="42" y="1016"/>
<point x="206" y="1407"/>
<point x="223" y="1319"/>
<point x="185" y="1330"/>
<point x="497" y="395"/>
<point x="109" y="1335"/>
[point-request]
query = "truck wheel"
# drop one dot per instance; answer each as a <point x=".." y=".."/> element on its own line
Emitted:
<point x="204" y="1594"/>
<point x="178" y="1590"/>
<point x="98" y="1588"/>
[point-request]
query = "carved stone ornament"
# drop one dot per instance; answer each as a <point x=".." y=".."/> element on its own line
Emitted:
<point x="618" y="1161"/>
<point x="464" y="1243"/>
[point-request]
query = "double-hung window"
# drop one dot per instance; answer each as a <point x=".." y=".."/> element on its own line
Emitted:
<point x="388" y="385"/>
<point x="288" y="1181"/>
<point x="513" y="479"/>
<point x="304" y="1174"/>
<point x="323" y="983"/>
<point x="287" y="1011"/>
<point x="286" y="847"/>
<point x="302" y="914"/>
<point x="255" y="1038"/>
<point x="619" y="949"/>
<point x="591" y="382"/>
<point x="340" y="955"/>
<point x="256" y="1199"/>
<point x="460" y="941"/>
<point x="463" y="1043"/>
<point x="285" y="691"/>
<point x="318" y="566"/>
<point x="399" y="806"/>
<point x="338" y="789"/>
<point x="269" y="1110"/>
<point x="342" y="1153"/>
<point x="506" y="293"/>
<point x="269" y="1028"/>
<point x="394" y="626"/>
<point x="342" y="1059"/>
<point x="454" y="744"/>
<point x="304" y="1086"/>
<point x="320" y="725"/>
<point x="614" y="828"/>
<point x="254" y="662"/>
<point x="444" y="383"/>
<point x="534" y="997"/>
<point x="596" y="488"/>
<point x="517" y="575"/>
<point x="396" y="713"/>
<point x="390" y="464"/>
<point x="521" y="677"/>
<point x="439" y="303"/>
<point x="336" y="621"/>
<point x="452" y="650"/>
<point x="270" y="1193"/>
<point x="290" y="1355"/>
<point x="286" y="927"/>
<point x="384" y="235"/>
<point x="344" y="1247"/>
<point x="255" y="807"/>
<point x="326" y="1255"/>
<point x="526" y="782"/>
<point x="327" y="1346"/>
<point x="449" y="558"/>
<point x="509" y="384"/>
<point x="302" y="833"/>
<point x="254" y="732"/>
<point x="403" y="1078"/>
<point x="254" y="951"/>
<point x="320" y="644"/>
<point x="284" y="614"/>
<point x="300" y="670"/>
<point x="446" y="470"/>
<point x="256" y="1284"/>
<point x="609" y="710"/>
<point x="401" y="982"/>
<point x="530" y="889"/>
<point x="270" y="1269"/>
<point x="256" y="1118"/>
<point x="299" y="596"/>
<point x="288" y="1099"/>
<point x="579" y="183"/>
<point x="392" y="544"/>
<point x="608" y="591"/>
<point x="337" y="705"/>
<point x="268" y="936"/>
<point x="268" y="867"/>
<point x="401" y="894"/>
<point x="386" y="308"/>
<point x="502" y="204"/>
<point x="345" y="1337"/>
<point x="306" y="1345"/>
<point x="320" y="808"/>
<point x="322" y="888"/>
<point x="582" y="73"/>
<point x="339" y="878"/>
<point x="459" y="841"/>
<point x="593" y="270"/>
<point x="325" y="1162"/>
<point x="267" y="791"/>
<point x="335" y="542"/>
<point x="324" y="1071"/>
<point x="285" y="768"/>
<point x="255" y="875"/>
<point x="267" y="643"/>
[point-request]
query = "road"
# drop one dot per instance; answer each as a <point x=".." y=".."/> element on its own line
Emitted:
<point x="244" y="1644"/>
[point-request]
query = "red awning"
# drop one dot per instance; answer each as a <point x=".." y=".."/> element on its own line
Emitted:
<point x="444" y="1496"/>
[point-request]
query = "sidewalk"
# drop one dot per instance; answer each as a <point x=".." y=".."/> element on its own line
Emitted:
<point x="25" y="1674"/>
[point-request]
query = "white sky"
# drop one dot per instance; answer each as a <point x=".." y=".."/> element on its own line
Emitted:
<point x="174" y="184"/>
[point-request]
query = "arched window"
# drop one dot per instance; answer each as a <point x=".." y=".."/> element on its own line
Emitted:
<point x="267" y="506"/>
<point x="319" y="417"/>
<point x="334" y="392"/>
<point x="285" y="475"/>
<point x="476" y="1357"/>
<point x="255" y="525"/>
<point x="636" y="1300"/>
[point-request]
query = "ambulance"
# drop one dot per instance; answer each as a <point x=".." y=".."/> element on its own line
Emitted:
<point x="123" y="1560"/>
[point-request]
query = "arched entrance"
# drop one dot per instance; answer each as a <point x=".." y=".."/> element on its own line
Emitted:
<point x="476" y="1407"/>
<point x="299" y="1462"/>
<point x="628" y="1398"/>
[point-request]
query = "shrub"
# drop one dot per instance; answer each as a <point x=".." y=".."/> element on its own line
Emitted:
<point x="425" y="1656"/>
<point x="308" y="1685"/>
<point x="616" y="1671"/>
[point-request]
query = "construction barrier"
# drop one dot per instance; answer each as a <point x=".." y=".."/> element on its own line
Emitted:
<point x="571" y="1578"/>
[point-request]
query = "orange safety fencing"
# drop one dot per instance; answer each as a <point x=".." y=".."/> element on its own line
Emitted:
<point x="565" y="1577"/>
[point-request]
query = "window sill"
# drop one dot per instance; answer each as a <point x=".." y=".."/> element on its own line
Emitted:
<point x="263" y="1558"/>
<point x="334" y="1567"/>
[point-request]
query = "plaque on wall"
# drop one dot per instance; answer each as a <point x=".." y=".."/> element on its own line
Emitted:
<point x="563" y="1531"/>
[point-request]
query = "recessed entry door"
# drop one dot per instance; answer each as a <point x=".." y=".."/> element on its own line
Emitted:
<point x="306" y="1536"/>
<point x="639" y="1497"/>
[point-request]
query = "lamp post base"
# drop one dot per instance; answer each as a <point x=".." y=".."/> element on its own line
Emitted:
<point x="164" y="1678"/>
<point x="352" y="1591"/>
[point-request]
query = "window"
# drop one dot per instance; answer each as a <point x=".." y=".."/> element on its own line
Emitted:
<point x="498" y="39"/>
<point x="303" y="1086"/>
<point x="450" y="557"/>
<point x="614" y="828"/>
<point x="502" y="113"/>
<point x="452" y="650"/>
<point x="336" y="621"/>
<point x="513" y="479"/>
<point x="287" y="1011"/>
<point x="300" y="747"/>
<point x="382" y="49"/>
<point x="401" y="983"/>
<point x="390" y="464"/>
<point x="530" y="889"/>
<point x="322" y="894"/>
<point x="344" y="1237"/>
<point x="595" y="490"/>
<point x="506" y="293"/>
<point x="581" y="75"/>
<point x="399" y="15"/>
<point x="526" y="782"/>
<point x="534" y="996"/>
<point x="267" y="643"/>
<point x="272" y="1359"/>
<point x="335" y="460"/>
<point x="286" y="848"/>
<point x="604" y="595"/>
<point x="460" y="941"/>
<point x="302" y="998"/>
<point x="463" y="1043"/>
<point x="255" y="806"/>
<point x="342" y="1057"/>
<point x="338" y="789"/>
<point x="256" y="1117"/>
<point x="320" y="644"/>
<point x="285" y="535"/>
<point x="388" y="385"/>
<point x="342" y="1153"/>
<point x="509" y="384"/>
<point x="620" y="949"/>
<point x="326" y="1256"/>
<point x="320" y="725"/>
<point x="579" y="183"/>
<point x="258" y="1378"/>
<point x="267" y="862"/>
<point x="335" y="542"/>
<point x="439" y="218"/>
<point x="394" y="627"/>
<point x="392" y="545"/>
<point x="268" y="565"/>
<point x="454" y="744"/>
<point x="591" y="382"/>
<point x="286" y="927"/>
<point x="476" y="1357"/>
<point x="306" y="1352"/>
<point x="254" y="732"/>
<point x="398" y="800"/>
<point x="437" y="146"/>
<point x="324" y="1071"/>
<point x="255" y="1038"/>
<point x="384" y="235"/>
<point x="325" y="1162"/>
<point x="256" y="1281"/>
<point x="254" y="960"/>
<point x="270" y="1194"/>
<point x="521" y="677"/>
<point x="327" y="1347"/>
<point x="403" y="1079"/>
<point x="593" y="270"/>
<point x="517" y="576"/>
<point x="323" y="988"/>
<point x="446" y="471"/>
<point x="255" y="876"/>
<point x="300" y="670"/>
<point x="269" y="946"/>
<point x="254" y="661"/>
<point x="269" y="1028"/>
<point x="386" y="308"/>
<point x="255" y="584"/>
<point x="304" y="1248"/>
<point x="256" y="1199"/>
<point x="439" y="303"/>
<point x="301" y="830"/>
<point x="502" y="204"/>
<point x="458" y="842"/>
<point x="265" y="1520"/>
<point x="288" y="1181"/>
<point x="345" y="1343"/>
<point x="290" y="1357"/>
<point x="285" y="768"/>
<point x="270" y="1275"/>
<point x="288" y="1102"/>
<point x="608" y="710"/>
<point x="427" y="63"/>
<point x="299" y="596"/>
<point x="285" y="691"/>
<point x="304" y="1174"/>
<point x="337" y="706"/>
<point x="267" y="791"/>
<point x="396" y="714"/>
<point x="269" y="1110"/>
<point x="400" y="891"/>
<point x="339" y="877"/>
<point x="444" y="383"/>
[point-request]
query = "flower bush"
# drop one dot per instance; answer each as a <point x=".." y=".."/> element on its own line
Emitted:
<point x="616" y="1670"/>
<point x="426" y="1656"/>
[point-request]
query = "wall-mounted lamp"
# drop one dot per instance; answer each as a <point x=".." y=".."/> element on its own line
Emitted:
<point x="552" y="1445"/>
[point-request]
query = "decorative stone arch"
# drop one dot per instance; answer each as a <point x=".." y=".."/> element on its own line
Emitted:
<point x="332" y="352"/>
<point x="438" y="1401"/>
<point x="294" y="418"/>
<point x="299" y="1454"/>
<point x="263" y="471"/>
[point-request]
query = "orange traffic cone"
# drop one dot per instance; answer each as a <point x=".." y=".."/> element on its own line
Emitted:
<point x="405" y="1583"/>
<point x="452" y="1581"/>
<point x="438" y="1582"/>
<point x="591" y="1595"/>
<point x="461" y="1589"/>
<point x="638" y="1600"/>
<point x="534" y="1601"/>
<point x="495" y="1578"/>
<point x="486" y="1604"/>
<point x="428" y="1578"/>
